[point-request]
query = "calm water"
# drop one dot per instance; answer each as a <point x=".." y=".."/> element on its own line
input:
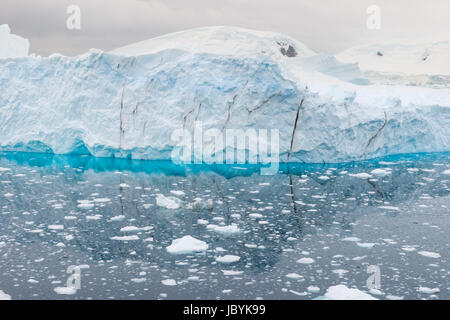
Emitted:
<point x="61" y="211"/>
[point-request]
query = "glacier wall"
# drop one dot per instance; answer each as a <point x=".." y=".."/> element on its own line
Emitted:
<point x="110" y="105"/>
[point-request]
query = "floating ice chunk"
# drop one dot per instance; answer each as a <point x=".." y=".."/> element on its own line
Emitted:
<point x="408" y="248"/>
<point x="117" y="218"/>
<point x="169" y="282"/>
<point x="138" y="280"/>
<point x="168" y="202"/>
<point x="177" y="192"/>
<point x="446" y="172"/>
<point x="129" y="229"/>
<point x="429" y="254"/>
<point x="352" y="239"/>
<point x="228" y="259"/>
<point x="65" y="290"/>
<point x="232" y="272"/>
<point x="381" y="172"/>
<point x="365" y="245"/>
<point x="389" y="208"/>
<point x="392" y="297"/>
<point x="4" y="296"/>
<point x="342" y="292"/>
<point x="294" y="276"/>
<point x="85" y="204"/>
<point x="324" y="178"/>
<point x="231" y="229"/>
<point x="200" y="204"/>
<point x="126" y="238"/>
<point x="305" y="260"/>
<point x="102" y="200"/>
<point x="4" y="169"/>
<point x="362" y="175"/>
<point x="428" y="290"/>
<point x="56" y="227"/>
<point x="313" y="289"/>
<point x="187" y="244"/>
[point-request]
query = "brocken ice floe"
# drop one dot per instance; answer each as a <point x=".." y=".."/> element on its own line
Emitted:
<point x="187" y="244"/>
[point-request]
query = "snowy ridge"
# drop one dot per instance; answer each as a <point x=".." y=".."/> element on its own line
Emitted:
<point x="129" y="102"/>
<point x="12" y="46"/>
<point x="425" y="64"/>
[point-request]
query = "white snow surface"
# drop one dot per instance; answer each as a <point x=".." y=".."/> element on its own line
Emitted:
<point x="422" y="58"/>
<point x="128" y="103"/>
<point x="11" y="45"/>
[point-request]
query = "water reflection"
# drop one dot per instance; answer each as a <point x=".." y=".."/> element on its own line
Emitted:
<point x="63" y="210"/>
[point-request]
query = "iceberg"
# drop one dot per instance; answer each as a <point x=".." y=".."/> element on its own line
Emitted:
<point x="128" y="102"/>
<point x="12" y="46"/>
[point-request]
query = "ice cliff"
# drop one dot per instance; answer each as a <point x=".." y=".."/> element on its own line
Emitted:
<point x="128" y="102"/>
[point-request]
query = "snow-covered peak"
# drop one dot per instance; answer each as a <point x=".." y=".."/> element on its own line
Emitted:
<point x="409" y="59"/>
<point x="221" y="40"/>
<point x="12" y="46"/>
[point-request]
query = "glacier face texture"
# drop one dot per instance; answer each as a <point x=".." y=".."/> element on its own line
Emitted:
<point x="128" y="103"/>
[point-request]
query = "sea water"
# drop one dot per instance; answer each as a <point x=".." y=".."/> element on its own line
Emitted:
<point x="81" y="227"/>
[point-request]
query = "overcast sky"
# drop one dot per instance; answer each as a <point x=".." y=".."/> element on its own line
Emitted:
<point x="323" y="25"/>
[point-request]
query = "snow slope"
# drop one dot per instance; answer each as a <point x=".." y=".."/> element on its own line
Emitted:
<point x="412" y="64"/>
<point x="12" y="46"/>
<point x="127" y="103"/>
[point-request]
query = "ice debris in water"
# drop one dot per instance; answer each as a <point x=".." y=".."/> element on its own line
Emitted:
<point x="187" y="244"/>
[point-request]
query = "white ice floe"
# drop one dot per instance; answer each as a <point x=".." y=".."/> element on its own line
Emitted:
<point x="168" y="202"/>
<point x="429" y="254"/>
<point x="381" y="172"/>
<point x="366" y="245"/>
<point x="305" y="260"/>
<point x="232" y="272"/>
<point x="228" y="258"/>
<point x="342" y="292"/>
<point x="126" y="238"/>
<point x="294" y="276"/>
<point x="4" y="296"/>
<point x="65" y="290"/>
<point x="351" y="239"/>
<point x="178" y="193"/>
<point x="187" y="244"/>
<point x="313" y="289"/>
<point x="227" y="230"/>
<point x="200" y="204"/>
<point x="169" y="282"/>
<point x="428" y="290"/>
<point x="389" y="208"/>
<point x="362" y="175"/>
<point x="56" y="227"/>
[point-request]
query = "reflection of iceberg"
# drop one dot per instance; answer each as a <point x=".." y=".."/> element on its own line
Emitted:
<point x="127" y="104"/>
